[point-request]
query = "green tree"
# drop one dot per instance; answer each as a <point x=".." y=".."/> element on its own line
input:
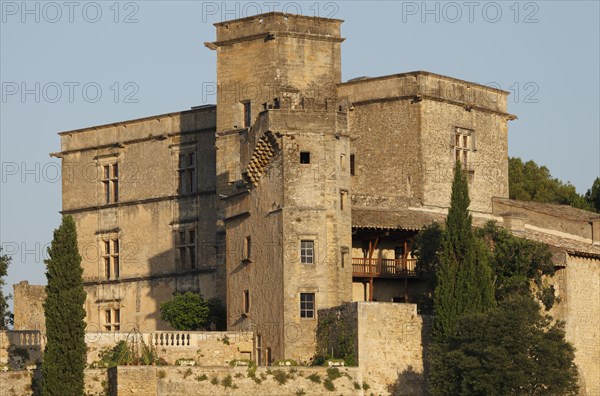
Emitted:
<point x="65" y="353"/>
<point x="6" y="317"/>
<point x="517" y="263"/>
<point x="464" y="279"/>
<point x="185" y="312"/>
<point x="510" y="350"/>
<point x="529" y="182"/>
<point x="592" y="196"/>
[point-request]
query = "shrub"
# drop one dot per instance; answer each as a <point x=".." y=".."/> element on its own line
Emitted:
<point x="328" y="384"/>
<point x="214" y="380"/>
<point x="185" y="312"/>
<point x="202" y="377"/>
<point x="333" y="373"/>
<point x="280" y="376"/>
<point x="356" y="385"/>
<point x="227" y="382"/>
<point x="187" y="373"/>
<point x="365" y="386"/>
<point x="314" y="377"/>
<point x="300" y="392"/>
<point x="161" y="374"/>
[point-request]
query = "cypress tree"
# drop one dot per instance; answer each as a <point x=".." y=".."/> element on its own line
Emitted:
<point x="464" y="279"/>
<point x="5" y="315"/>
<point x="65" y="353"/>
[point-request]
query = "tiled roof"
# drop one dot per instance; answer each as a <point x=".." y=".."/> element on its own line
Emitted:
<point x="401" y="219"/>
<point x="564" y="211"/>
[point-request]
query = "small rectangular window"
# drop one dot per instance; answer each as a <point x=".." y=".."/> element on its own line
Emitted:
<point x="343" y="199"/>
<point x="110" y="257"/>
<point x="307" y="305"/>
<point x="246" y="301"/>
<point x="247" y="248"/>
<point x="305" y="157"/>
<point x="110" y="183"/>
<point x="352" y="165"/>
<point x="307" y="252"/>
<point x="185" y="242"/>
<point x="247" y="115"/>
<point x="187" y="173"/>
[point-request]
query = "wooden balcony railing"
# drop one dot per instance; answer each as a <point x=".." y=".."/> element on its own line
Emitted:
<point x="383" y="268"/>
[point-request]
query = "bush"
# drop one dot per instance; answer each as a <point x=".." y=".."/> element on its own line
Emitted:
<point x="214" y="380"/>
<point x="314" y="377"/>
<point x="333" y="373"/>
<point x="280" y="376"/>
<point x="201" y="378"/>
<point x="328" y="384"/>
<point x="161" y="374"/>
<point x="186" y="312"/>
<point x="227" y="382"/>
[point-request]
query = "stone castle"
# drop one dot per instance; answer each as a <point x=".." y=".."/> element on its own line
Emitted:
<point x="298" y="192"/>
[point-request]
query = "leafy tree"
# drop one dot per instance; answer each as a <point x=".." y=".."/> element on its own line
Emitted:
<point x="185" y="312"/>
<point x="530" y="182"/>
<point x="6" y="318"/>
<point x="464" y="279"/>
<point x="517" y="262"/>
<point x="592" y="196"/>
<point x="510" y="350"/>
<point x="65" y="354"/>
<point x="426" y="247"/>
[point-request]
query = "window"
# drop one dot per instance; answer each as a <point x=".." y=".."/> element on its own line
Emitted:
<point x="187" y="173"/>
<point x="110" y="183"/>
<point x="307" y="252"/>
<point x="247" y="114"/>
<point x="352" y="165"/>
<point x="259" y="349"/>
<point x="462" y="146"/>
<point x="110" y="256"/>
<point x="247" y="248"/>
<point x="343" y="194"/>
<point x="186" y="245"/>
<point x="246" y="301"/>
<point x="307" y="305"/>
<point x="305" y="157"/>
<point x="112" y="319"/>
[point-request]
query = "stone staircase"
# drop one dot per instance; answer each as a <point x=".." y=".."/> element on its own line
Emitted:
<point x="263" y="152"/>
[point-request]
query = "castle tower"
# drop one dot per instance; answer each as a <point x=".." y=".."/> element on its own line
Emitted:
<point x="283" y="176"/>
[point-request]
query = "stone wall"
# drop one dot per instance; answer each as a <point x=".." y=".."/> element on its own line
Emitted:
<point x="581" y="302"/>
<point x="205" y="348"/>
<point x="23" y="382"/>
<point x="212" y="381"/>
<point x="20" y="348"/>
<point x="391" y="343"/>
<point x="148" y="218"/>
<point x="28" y="306"/>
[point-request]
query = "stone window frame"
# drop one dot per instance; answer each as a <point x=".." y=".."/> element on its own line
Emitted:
<point x="185" y="172"/>
<point x="247" y="249"/>
<point x="110" y="316"/>
<point x="312" y="239"/>
<point x="463" y="144"/>
<point x="309" y="311"/>
<point x="109" y="174"/>
<point x="246" y="113"/>
<point x="246" y="302"/>
<point x="187" y="249"/>
<point x="111" y="258"/>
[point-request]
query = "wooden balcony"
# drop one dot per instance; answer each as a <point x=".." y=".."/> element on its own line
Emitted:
<point x="383" y="268"/>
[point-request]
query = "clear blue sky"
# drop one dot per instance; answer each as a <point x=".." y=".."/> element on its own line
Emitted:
<point x="546" y="53"/>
